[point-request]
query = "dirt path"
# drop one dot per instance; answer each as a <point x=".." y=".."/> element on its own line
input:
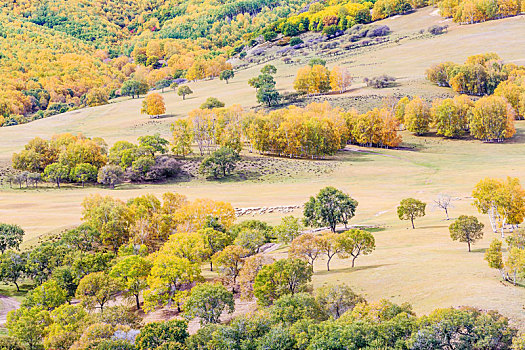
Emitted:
<point x="7" y="304"/>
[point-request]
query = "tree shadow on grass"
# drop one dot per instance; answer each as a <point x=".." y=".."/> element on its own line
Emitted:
<point x="479" y="250"/>
<point x="349" y="269"/>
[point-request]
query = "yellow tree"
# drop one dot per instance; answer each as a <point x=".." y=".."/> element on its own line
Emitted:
<point x="492" y="119"/>
<point x="340" y="79"/>
<point x="153" y="105"/>
<point x="182" y="137"/>
<point x="417" y="116"/>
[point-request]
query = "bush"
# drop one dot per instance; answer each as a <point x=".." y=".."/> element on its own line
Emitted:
<point x="378" y="31"/>
<point x="436" y="29"/>
<point x="212" y="102"/>
<point x="220" y="163"/>
<point x="11" y="343"/>
<point x="380" y="82"/>
<point x="156" y="334"/>
<point x="295" y="41"/>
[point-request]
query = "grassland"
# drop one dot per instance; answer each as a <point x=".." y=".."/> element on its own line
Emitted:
<point x="422" y="266"/>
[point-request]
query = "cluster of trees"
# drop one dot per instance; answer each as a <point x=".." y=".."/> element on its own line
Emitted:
<point x="322" y="17"/>
<point x="77" y="159"/>
<point x="491" y="118"/>
<point x="317" y="79"/>
<point x="473" y="11"/>
<point x="52" y="57"/>
<point x="481" y="75"/>
<point x="513" y="268"/>
<point x="386" y="8"/>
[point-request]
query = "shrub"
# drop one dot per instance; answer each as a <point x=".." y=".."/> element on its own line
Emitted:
<point x="295" y="41"/>
<point x="380" y="82"/>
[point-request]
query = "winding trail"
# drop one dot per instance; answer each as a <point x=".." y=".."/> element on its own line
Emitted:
<point x="7" y="304"/>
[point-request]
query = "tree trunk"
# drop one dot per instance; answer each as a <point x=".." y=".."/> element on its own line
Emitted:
<point x="58" y="183"/>
<point x="211" y="266"/>
<point x="353" y="261"/>
<point x="468" y="246"/>
<point x="446" y="212"/>
<point x="137" y="301"/>
<point x="16" y="284"/>
<point x="412" y="220"/>
<point x="328" y="264"/>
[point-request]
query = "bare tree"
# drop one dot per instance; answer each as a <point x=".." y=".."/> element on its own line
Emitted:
<point x="444" y="201"/>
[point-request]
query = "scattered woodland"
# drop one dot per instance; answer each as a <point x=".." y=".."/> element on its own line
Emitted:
<point x="144" y="266"/>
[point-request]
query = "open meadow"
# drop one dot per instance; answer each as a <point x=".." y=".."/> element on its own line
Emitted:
<point x="422" y="266"/>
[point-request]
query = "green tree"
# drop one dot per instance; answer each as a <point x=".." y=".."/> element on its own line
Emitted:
<point x="132" y="272"/>
<point x="10" y="237"/>
<point x="28" y="325"/>
<point x="410" y="209"/>
<point x="56" y="172"/>
<point x="285" y="276"/>
<point x="211" y="103"/>
<point x="12" y="267"/>
<point x="251" y="239"/>
<point x="329" y="208"/>
<point x="155" y="143"/>
<point x="291" y="308"/>
<point x="207" y="302"/>
<point x="110" y="175"/>
<point x="220" y="163"/>
<point x="226" y="75"/>
<point x="268" y="94"/>
<point x="49" y="295"/>
<point x="214" y="241"/>
<point x="68" y="321"/>
<point x="355" y="242"/>
<point x="184" y="90"/>
<point x="289" y="228"/>
<point x="97" y="289"/>
<point x="337" y="299"/>
<point x="84" y="172"/>
<point x="466" y="229"/>
<point x="269" y="69"/>
<point x="162" y="335"/>
<point x="494" y="257"/>
<point x="134" y="88"/>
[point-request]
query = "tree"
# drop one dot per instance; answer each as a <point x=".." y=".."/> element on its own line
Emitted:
<point x="155" y="143"/>
<point x="110" y="175"/>
<point x="329" y="208"/>
<point x="10" y="237"/>
<point x="502" y="200"/>
<point x="182" y="137"/>
<point x="68" y="322"/>
<point x="250" y="268"/>
<point x="354" y="243"/>
<point x="158" y="335"/>
<point x="444" y="201"/>
<point x="492" y="119"/>
<point x="211" y="103"/>
<point x="208" y="301"/>
<point x="132" y="272"/>
<point x="169" y="274"/>
<point x="285" y="276"/>
<point x="466" y="229"/>
<point x="417" y="116"/>
<point x="494" y="257"/>
<point x="450" y="115"/>
<point x="251" y="238"/>
<point x="269" y="69"/>
<point x="153" y="105"/>
<point x="410" y="209"/>
<point x="516" y="239"/>
<point x="337" y="299"/>
<point x="214" y="241"/>
<point x="49" y="295"/>
<point x="184" y="90"/>
<point x="340" y="79"/>
<point x="84" y="172"/>
<point x="229" y="261"/>
<point x="12" y="267"/>
<point x="329" y="245"/>
<point x="56" y="172"/>
<point x="97" y="289"/>
<point x="134" y="88"/>
<point x="28" y="325"/>
<point x="268" y="95"/>
<point x="305" y="246"/>
<point x="515" y="263"/>
<point x="226" y="75"/>
<point x="220" y="163"/>
<point x="174" y="86"/>
<point x="289" y="228"/>
<point x="290" y="308"/>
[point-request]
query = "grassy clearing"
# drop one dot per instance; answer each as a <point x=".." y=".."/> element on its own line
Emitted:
<point x="422" y="266"/>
